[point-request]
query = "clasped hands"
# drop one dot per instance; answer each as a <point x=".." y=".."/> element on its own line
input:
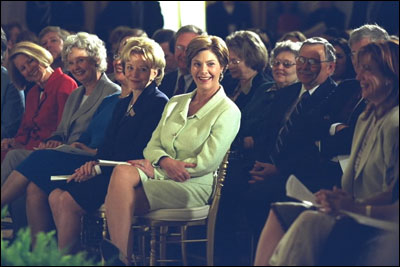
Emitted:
<point x="332" y="201"/>
<point x="175" y="169"/>
<point x="262" y="171"/>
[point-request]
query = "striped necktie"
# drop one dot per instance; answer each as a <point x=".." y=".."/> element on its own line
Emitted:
<point x="288" y="126"/>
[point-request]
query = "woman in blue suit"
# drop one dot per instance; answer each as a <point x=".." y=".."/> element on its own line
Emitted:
<point x="193" y="135"/>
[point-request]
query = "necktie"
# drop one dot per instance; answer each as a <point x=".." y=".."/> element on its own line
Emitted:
<point x="181" y="86"/>
<point x="288" y="126"/>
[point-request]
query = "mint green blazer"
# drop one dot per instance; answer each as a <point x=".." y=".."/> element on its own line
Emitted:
<point x="202" y="138"/>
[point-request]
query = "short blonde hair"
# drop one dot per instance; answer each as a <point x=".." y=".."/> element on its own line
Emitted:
<point x="150" y="49"/>
<point x="212" y="43"/>
<point x="32" y="50"/>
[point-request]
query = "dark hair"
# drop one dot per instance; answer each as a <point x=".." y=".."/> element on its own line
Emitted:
<point x="27" y="35"/>
<point x="250" y="48"/>
<point x="213" y="43"/>
<point x="343" y="44"/>
<point x="185" y="29"/>
<point x="386" y="55"/>
<point x="63" y="34"/>
<point x="165" y="35"/>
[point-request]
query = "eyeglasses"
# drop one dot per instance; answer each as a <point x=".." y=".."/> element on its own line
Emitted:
<point x="312" y="61"/>
<point x="180" y="48"/>
<point x="117" y="56"/>
<point x="286" y="64"/>
<point x="234" y="62"/>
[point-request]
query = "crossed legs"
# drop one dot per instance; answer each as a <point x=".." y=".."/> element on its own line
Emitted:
<point x="125" y="197"/>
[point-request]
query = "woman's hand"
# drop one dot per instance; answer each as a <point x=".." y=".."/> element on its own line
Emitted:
<point x="176" y="169"/>
<point x="7" y="143"/>
<point x="144" y="165"/>
<point x="49" y="144"/>
<point x="83" y="173"/>
<point x="84" y="147"/>
<point x="335" y="200"/>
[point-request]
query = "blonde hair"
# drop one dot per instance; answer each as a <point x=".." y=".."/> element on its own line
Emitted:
<point x="31" y="50"/>
<point x="150" y="49"/>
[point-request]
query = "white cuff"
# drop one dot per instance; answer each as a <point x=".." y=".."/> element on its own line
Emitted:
<point x="332" y="130"/>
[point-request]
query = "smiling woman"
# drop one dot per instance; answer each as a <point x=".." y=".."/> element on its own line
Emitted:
<point x="45" y="101"/>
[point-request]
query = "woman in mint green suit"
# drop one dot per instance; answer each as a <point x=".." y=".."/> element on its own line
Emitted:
<point x="193" y="135"/>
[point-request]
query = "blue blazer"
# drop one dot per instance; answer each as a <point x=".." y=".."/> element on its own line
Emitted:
<point x="127" y="136"/>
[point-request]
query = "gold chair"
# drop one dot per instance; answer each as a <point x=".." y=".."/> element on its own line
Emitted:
<point x="159" y="221"/>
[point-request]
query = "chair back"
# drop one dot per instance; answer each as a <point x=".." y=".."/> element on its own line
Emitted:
<point x="212" y="214"/>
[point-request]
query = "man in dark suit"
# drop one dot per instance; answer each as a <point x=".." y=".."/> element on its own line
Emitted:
<point x="347" y="102"/>
<point x="301" y="116"/>
<point x="181" y="81"/>
<point x="290" y="143"/>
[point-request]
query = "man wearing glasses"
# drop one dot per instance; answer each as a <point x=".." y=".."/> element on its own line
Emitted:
<point x="181" y="81"/>
<point x="301" y="110"/>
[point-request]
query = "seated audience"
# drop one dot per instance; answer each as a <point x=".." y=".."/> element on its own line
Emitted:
<point x="12" y="99"/>
<point x="134" y="118"/>
<point x="254" y="136"/>
<point x="372" y="171"/>
<point x="87" y="64"/>
<point x="177" y="171"/>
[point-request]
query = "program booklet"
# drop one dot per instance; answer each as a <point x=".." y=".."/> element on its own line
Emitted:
<point x="59" y="177"/>
<point x="297" y="190"/>
<point x="111" y="163"/>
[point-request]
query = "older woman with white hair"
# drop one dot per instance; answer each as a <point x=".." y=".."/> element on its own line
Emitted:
<point x="85" y="56"/>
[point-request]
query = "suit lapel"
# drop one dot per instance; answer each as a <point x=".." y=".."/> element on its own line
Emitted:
<point x="90" y="101"/>
<point x="370" y="143"/>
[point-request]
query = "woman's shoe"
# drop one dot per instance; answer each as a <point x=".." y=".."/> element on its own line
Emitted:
<point x="111" y="254"/>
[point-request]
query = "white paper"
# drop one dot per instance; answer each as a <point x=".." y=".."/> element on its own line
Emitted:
<point x="59" y="177"/>
<point x="111" y="163"/>
<point x="295" y="189"/>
